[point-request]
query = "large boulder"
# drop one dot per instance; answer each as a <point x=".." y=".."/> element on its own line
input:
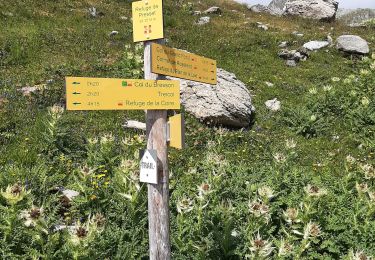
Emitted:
<point x="324" y="10"/>
<point x="228" y="103"/>
<point x="352" y="44"/>
<point x="276" y="7"/>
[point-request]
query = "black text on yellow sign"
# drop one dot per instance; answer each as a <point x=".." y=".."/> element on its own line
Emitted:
<point x="121" y="94"/>
<point x="181" y="64"/>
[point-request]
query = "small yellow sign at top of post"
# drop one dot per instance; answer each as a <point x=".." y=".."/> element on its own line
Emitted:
<point x="182" y="64"/>
<point x="147" y="20"/>
<point x="121" y="94"/>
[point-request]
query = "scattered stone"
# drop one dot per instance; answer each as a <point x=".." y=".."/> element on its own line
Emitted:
<point x="135" y="125"/>
<point x="273" y="104"/>
<point x="324" y="10"/>
<point x="352" y="44"/>
<point x="228" y="103"/>
<point x="203" y="20"/>
<point x="94" y="13"/>
<point x="298" y="34"/>
<point x="70" y="194"/>
<point x="258" y="8"/>
<point x="291" y="63"/>
<point x="27" y="91"/>
<point x="283" y="45"/>
<point x="269" y="84"/>
<point x="262" y="26"/>
<point x="277" y="7"/>
<point x="113" y="34"/>
<point x="316" y="45"/>
<point x="213" y="10"/>
<point x="197" y="13"/>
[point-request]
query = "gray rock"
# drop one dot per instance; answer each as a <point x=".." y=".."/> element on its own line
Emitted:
<point x="113" y="33"/>
<point x="197" y="13"/>
<point x="355" y="17"/>
<point x="213" y="10"/>
<point x="203" y="20"/>
<point x="276" y="7"/>
<point x="352" y="44"/>
<point x="263" y="27"/>
<point x="324" y="10"/>
<point x="298" y="34"/>
<point x="291" y="63"/>
<point x="273" y="104"/>
<point x="283" y="45"/>
<point x="228" y="103"/>
<point x="315" y="45"/>
<point x="258" y="8"/>
<point x="269" y="84"/>
<point x="70" y="194"/>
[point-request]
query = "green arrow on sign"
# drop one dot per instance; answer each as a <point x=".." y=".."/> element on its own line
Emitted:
<point x="76" y="93"/>
<point x="76" y="103"/>
<point x="76" y="83"/>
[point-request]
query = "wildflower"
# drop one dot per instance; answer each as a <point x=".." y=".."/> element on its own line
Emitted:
<point x="82" y="232"/>
<point x="373" y="56"/>
<point x="259" y="209"/>
<point x="327" y="88"/>
<point x="279" y="157"/>
<point x="107" y="138"/>
<point x="313" y="118"/>
<point x="359" y="255"/>
<point x="347" y="81"/>
<point x="372" y="66"/>
<point x="291" y="215"/>
<point x="138" y="47"/>
<point x="204" y="189"/>
<point x="234" y="233"/>
<point x="266" y="192"/>
<point x="350" y="159"/>
<point x="138" y="59"/>
<point x="285" y="248"/>
<point x="290" y="144"/>
<point x="336" y="79"/>
<point x="353" y="93"/>
<point x="361" y="187"/>
<point x="99" y="219"/>
<point x="14" y="194"/>
<point x="32" y="216"/>
<point x="86" y="171"/>
<point x="371" y="195"/>
<point x="365" y="101"/>
<point x="56" y="111"/>
<point x="311" y="230"/>
<point x="369" y="171"/>
<point x="364" y="72"/>
<point x="313" y="91"/>
<point x="260" y="246"/>
<point x="184" y="205"/>
<point x="314" y="191"/>
<point x="92" y="141"/>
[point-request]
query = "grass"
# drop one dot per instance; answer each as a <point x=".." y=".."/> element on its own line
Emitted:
<point x="43" y="42"/>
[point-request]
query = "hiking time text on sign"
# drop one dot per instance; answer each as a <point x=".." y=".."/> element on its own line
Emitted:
<point x="147" y="20"/>
<point x="121" y="94"/>
<point x="182" y="64"/>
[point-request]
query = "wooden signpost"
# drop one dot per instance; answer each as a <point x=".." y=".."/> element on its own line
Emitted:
<point x="157" y="96"/>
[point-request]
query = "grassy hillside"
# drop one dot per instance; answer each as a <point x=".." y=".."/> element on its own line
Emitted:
<point x="298" y="183"/>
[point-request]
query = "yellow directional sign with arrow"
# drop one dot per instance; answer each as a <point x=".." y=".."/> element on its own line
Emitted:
<point x="121" y="94"/>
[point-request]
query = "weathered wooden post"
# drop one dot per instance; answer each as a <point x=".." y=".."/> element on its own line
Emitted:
<point x="158" y="194"/>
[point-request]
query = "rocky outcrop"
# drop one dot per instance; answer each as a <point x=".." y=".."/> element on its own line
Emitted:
<point x="258" y="8"/>
<point x="352" y="44"/>
<point x="324" y="10"/>
<point x="277" y="7"/>
<point x="355" y="17"/>
<point x="228" y="103"/>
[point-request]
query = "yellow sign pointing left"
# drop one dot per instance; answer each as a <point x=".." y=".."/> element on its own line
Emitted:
<point x="121" y="94"/>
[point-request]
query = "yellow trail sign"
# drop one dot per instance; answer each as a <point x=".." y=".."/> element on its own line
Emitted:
<point x="147" y="20"/>
<point x="176" y="131"/>
<point x="181" y="64"/>
<point x="121" y="94"/>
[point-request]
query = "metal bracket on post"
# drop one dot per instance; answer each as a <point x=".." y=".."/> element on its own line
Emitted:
<point x="168" y="132"/>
